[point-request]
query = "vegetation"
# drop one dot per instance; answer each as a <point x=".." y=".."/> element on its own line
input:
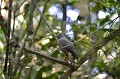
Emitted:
<point x="28" y="43"/>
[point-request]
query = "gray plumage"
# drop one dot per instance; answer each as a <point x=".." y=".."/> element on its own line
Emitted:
<point x="62" y="41"/>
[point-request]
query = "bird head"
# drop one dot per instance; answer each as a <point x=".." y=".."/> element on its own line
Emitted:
<point x="60" y="36"/>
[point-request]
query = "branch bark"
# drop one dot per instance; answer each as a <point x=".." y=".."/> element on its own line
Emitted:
<point x="45" y="6"/>
<point x="8" y="36"/>
<point x="49" y="58"/>
<point x="64" y="10"/>
<point x="30" y="22"/>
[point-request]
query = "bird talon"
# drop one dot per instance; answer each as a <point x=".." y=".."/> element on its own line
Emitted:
<point x="65" y="59"/>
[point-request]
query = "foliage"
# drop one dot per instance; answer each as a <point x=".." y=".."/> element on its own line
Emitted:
<point x="34" y="24"/>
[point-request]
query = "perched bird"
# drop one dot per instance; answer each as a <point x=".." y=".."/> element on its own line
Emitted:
<point x="67" y="48"/>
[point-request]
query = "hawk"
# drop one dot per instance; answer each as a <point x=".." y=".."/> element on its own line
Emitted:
<point x="67" y="48"/>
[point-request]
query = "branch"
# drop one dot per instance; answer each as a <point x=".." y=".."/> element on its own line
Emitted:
<point x="46" y="22"/>
<point x="20" y="53"/>
<point x="64" y="10"/>
<point x="30" y="22"/>
<point x="15" y="16"/>
<point x="8" y="36"/>
<point x="91" y="53"/>
<point x="45" y="6"/>
<point x="48" y="57"/>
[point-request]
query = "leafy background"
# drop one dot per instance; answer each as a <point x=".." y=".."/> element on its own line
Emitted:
<point x="93" y="21"/>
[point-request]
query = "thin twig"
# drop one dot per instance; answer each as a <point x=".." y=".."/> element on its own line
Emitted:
<point x="19" y="55"/>
<point x="19" y="6"/>
<point x="31" y="68"/>
<point x="45" y="6"/>
<point x="15" y="17"/>
<point x="46" y="22"/>
<point x="3" y="25"/>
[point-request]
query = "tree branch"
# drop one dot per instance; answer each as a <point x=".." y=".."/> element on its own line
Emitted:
<point x="45" y="6"/>
<point x="64" y="10"/>
<point x="8" y="36"/>
<point x="91" y="53"/>
<point x="46" y="22"/>
<point x="49" y="58"/>
<point x="30" y="22"/>
<point x="13" y="29"/>
<point x="20" y="53"/>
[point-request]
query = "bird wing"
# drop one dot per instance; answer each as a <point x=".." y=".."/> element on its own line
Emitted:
<point x="64" y="42"/>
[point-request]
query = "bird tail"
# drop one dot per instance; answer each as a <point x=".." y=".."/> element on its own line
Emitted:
<point x="74" y="54"/>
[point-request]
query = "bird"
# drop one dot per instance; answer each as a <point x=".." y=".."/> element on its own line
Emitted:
<point x="67" y="48"/>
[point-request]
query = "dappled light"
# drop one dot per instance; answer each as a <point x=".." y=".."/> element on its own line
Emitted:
<point x="59" y="39"/>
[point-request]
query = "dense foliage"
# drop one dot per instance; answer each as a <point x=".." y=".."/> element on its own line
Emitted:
<point x="29" y="48"/>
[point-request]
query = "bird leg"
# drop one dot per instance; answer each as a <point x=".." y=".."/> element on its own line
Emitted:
<point x="71" y="59"/>
<point x="66" y="58"/>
